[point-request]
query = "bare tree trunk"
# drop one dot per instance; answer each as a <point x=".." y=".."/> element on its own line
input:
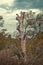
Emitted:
<point x="23" y="48"/>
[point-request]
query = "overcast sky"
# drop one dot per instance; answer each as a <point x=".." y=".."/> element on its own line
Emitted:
<point x="9" y="8"/>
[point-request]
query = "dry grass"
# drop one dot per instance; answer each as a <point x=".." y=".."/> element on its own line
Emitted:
<point x="34" y="52"/>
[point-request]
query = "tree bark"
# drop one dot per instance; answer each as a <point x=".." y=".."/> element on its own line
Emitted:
<point x="23" y="48"/>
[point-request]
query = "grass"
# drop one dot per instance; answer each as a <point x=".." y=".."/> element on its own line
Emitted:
<point x="34" y="51"/>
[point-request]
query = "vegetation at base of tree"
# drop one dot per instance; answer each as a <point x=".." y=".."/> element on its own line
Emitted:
<point x="34" y="51"/>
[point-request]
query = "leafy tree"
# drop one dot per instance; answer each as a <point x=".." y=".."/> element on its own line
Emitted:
<point x="27" y="28"/>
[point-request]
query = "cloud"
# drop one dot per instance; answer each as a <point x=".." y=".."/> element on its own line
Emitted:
<point x="21" y="4"/>
<point x="2" y="11"/>
<point x="8" y="2"/>
<point x="9" y="9"/>
<point x="10" y="17"/>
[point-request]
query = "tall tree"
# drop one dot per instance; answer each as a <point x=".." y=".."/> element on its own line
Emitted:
<point x="26" y="28"/>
